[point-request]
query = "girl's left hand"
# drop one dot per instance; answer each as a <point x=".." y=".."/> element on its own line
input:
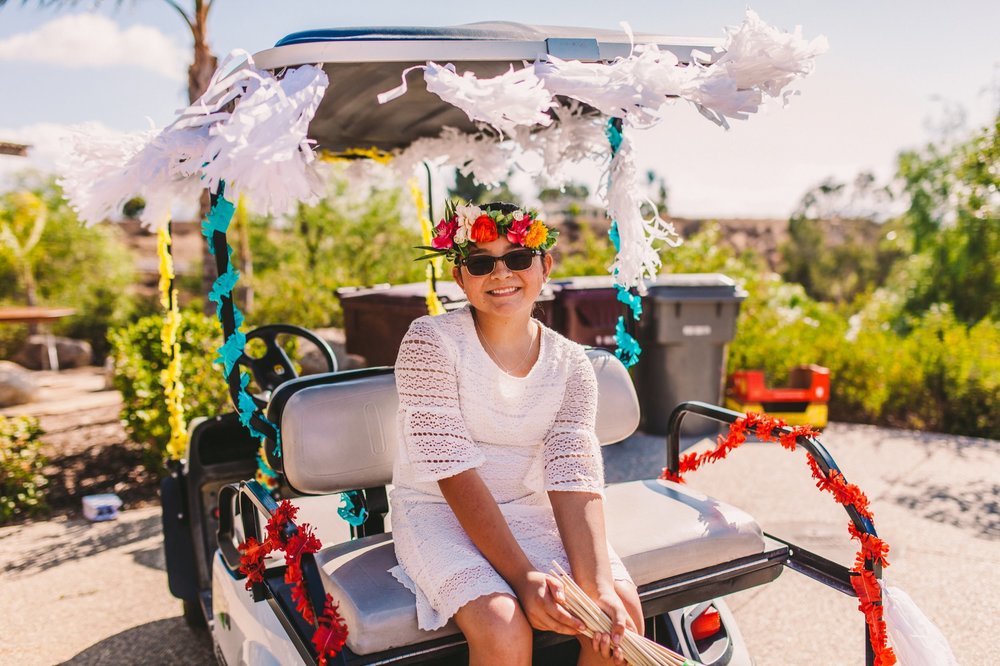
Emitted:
<point x="608" y="644"/>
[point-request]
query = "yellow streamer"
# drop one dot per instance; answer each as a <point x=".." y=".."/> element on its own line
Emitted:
<point x="434" y="306"/>
<point x="173" y="387"/>
<point x="374" y="154"/>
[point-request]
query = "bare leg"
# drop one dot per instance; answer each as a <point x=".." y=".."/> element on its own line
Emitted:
<point x="496" y="629"/>
<point x="630" y="597"/>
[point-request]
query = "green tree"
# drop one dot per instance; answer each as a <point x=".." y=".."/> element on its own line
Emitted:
<point x="836" y="248"/>
<point x="203" y="63"/>
<point x="953" y="222"/>
<point x="358" y="240"/>
<point x="574" y="192"/>
<point x="88" y="268"/>
<point x="467" y="189"/>
<point x="22" y="221"/>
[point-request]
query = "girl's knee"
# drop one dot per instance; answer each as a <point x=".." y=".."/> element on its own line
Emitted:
<point x="495" y="625"/>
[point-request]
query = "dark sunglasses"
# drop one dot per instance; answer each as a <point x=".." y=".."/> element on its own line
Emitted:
<point x="517" y="260"/>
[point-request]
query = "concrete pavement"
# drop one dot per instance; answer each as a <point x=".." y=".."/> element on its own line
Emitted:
<point x="96" y="593"/>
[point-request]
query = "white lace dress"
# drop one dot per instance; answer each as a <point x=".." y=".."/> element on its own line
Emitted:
<point x="525" y="436"/>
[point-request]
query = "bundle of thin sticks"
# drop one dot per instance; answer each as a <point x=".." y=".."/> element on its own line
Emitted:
<point x="637" y="650"/>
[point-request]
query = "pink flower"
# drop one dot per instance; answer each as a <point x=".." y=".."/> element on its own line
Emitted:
<point x="445" y="233"/>
<point x="518" y="230"/>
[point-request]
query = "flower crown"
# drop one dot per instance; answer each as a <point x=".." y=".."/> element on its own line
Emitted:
<point x="464" y="224"/>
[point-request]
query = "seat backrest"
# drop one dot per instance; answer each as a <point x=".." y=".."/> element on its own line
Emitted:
<point x="338" y="431"/>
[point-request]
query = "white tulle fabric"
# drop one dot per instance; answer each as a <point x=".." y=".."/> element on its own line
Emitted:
<point x="756" y="61"/>
<point x="913" y="637"/>
<point x="259" y="147"/>
<point x="524" y="436"/>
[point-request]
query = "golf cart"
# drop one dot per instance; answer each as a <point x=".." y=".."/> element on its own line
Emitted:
<point x="333" y="433"/>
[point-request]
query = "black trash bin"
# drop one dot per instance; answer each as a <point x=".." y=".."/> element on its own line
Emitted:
<point x="377" y="318"/>
<point x="687" y="322"/>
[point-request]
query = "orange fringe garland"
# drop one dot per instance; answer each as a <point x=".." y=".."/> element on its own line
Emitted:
<point x="331" y="630"/>
<point x="872" y="548"/>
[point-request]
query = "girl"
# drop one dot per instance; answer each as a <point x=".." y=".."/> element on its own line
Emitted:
<point x="500" y="471"/>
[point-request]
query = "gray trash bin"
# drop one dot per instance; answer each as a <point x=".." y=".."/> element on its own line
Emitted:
<point x="688" y="320"/>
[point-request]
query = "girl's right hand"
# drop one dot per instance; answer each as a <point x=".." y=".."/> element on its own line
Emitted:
<point x="542" y="599"/>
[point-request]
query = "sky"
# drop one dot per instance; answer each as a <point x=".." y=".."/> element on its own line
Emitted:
<point x="895" y="70"/>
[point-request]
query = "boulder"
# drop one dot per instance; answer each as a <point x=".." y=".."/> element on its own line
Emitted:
<point x="69" y="352"/>
<point x="17" y="386"/>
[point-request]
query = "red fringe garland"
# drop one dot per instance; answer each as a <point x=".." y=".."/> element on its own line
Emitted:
<point x="331" y="630"/>
<point x="872" y="548"/>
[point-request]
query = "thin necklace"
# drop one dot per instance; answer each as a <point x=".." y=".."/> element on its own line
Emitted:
<point x="493" y="354"/>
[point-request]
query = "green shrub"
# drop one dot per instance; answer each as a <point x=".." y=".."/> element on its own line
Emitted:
<point x="929" y="372"/>
<point x="589" y="254"/>
<point x="12" y="337"/>
<point x="139" y="360"/>
<point x="21" y="462"/>
<point x="341" y="241"/>
<point x="86" y="268"/>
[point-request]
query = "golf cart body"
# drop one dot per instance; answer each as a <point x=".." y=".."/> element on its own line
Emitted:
<point x="685" y="550"/>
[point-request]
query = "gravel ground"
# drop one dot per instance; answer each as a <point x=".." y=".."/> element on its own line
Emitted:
<point x="96" y="593"/>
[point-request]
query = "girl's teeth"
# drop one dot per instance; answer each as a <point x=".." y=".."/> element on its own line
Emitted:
<point x="501" y="292"/>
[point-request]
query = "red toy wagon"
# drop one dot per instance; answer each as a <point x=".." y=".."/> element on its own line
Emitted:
<point x="802" y="402"/>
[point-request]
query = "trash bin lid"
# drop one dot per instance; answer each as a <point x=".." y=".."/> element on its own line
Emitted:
<point x="695" y="287"/>
<point x="583" y="282"/>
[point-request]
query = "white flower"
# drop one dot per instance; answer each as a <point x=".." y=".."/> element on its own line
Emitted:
<point x="518" y="215"/>
<point x="467" y="216"/>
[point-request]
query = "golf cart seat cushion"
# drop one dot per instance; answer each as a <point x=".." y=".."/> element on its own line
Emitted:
<point x="342" y="435"/>
<point x="660" y="529"/>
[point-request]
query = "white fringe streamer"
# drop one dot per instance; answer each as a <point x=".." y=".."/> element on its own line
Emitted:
<point x="914" y="638"/>
<point x="516" y="97"/>
<point x="757" y="61"/>
<point x="260" y="148"/>
<point x="480" y="155"/>
<point x="573" y="138"/>
<point x="637" y="255"/>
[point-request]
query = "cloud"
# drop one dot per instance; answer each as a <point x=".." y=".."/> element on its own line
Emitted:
<point x="48" y="144"/>
<point x="91" y="40"/>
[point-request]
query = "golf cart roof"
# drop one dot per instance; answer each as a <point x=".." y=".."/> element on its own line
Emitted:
<point x="363" y="62"/>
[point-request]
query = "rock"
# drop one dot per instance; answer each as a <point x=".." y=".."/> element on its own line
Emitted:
<point x="109" y="373"/>
<point x="70" y="353"/>
<point x="17" y="386"/>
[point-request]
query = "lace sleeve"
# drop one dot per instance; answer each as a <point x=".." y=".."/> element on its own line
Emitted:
<point x="434" y="433"/>
<point x="572" y="453"/>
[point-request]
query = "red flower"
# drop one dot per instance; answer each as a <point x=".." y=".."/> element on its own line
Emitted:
<point x="282" y="516"/>
<point x="331" y="632"/>
<point x="301" y="598"/>
<point x="484" y="230"/>
<point x="252" y="555"/>
<point x="304" y="541"/>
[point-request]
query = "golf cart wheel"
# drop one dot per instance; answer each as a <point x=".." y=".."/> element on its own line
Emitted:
<point x="193" y="617"/>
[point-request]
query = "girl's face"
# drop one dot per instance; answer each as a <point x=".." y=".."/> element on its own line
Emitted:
<point x="503" y="293"/>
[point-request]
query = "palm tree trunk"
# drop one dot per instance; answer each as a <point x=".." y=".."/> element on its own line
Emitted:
<point x="199" y="76"/>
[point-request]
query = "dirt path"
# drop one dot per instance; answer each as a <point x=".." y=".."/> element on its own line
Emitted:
<point x="85" y="443"/>
<point x="96" y="593"/>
